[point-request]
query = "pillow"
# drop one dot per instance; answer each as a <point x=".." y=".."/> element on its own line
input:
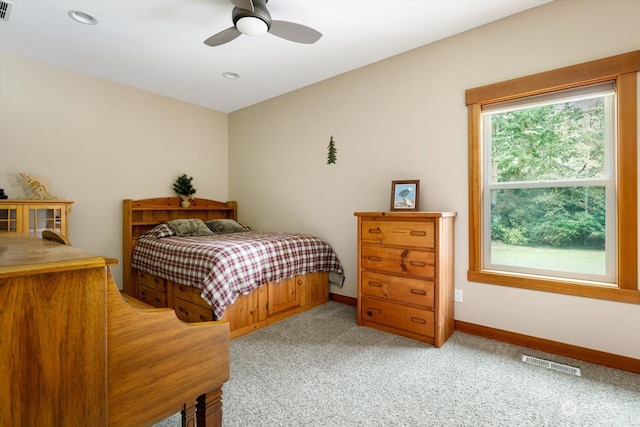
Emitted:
<point x="160" y="231"/>
<point x="222" y="226"/>
<point x="189" y="227"/>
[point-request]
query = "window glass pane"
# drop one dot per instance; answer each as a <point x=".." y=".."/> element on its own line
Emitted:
<point x="556" y="228"/>
<point x="561" y="141"/>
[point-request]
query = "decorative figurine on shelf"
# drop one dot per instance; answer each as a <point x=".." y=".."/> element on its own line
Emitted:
<point x="184" y="189"/>
<point x="37" y="188"/>
<point x="2" y="194"/>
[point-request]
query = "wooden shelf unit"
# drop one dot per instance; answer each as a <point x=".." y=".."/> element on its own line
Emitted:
<point x="30" y="217"/>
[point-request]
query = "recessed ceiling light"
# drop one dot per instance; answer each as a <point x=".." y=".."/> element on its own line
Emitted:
<point x="82" y="17"/>
<point x="231" y="76"/>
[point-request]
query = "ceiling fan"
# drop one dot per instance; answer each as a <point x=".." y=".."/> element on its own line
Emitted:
<point x="252" y="18"/>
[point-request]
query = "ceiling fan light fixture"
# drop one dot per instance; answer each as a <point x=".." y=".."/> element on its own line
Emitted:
<point x="252" y="26"/>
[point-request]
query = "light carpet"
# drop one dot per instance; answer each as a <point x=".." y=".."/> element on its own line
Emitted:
<point x="320" y="369"/>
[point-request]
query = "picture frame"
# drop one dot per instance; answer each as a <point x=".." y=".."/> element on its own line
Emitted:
<point x="405" y="195"/>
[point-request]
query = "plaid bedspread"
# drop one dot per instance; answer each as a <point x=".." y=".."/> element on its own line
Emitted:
<point x="227" y="265"/>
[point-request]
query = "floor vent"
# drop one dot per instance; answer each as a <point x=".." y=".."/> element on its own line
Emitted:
<point x="5" y="10"/>
<point x="551" y="365"/>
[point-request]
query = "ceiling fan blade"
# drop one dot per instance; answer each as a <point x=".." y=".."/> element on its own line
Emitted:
<point x="224" y="36"/>
<point x="294" y="32"/>
<point x="244" y="4"/>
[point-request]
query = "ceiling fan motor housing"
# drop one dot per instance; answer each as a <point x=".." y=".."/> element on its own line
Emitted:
<point x="261" y="13"/>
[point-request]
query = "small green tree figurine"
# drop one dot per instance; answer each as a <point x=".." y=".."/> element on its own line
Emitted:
<point x="331" y="157"/>
<point x="184" y="189"/>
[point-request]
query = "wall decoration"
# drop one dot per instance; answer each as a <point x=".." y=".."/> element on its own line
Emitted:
<point x="332" y="155"/>
<point x="183" y="188"/>
<point x="405" y="195"/>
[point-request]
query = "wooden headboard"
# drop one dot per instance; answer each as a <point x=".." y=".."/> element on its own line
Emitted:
<point x="140" y="216"/>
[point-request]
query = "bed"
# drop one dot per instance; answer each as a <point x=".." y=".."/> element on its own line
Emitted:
<point x="170" y="261"/>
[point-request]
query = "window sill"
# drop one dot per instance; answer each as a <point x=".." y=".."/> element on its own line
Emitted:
<point x="576" y="288"/>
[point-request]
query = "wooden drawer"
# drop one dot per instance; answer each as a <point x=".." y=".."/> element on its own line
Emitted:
<point x="189" y="293"/>
<point x="401" y="233"/>
<point x="397" y="260"/>
<point x="190" y="312"/>
<point x="402" y="289"/>
<point x="152" y="296"/>
<point x="416" y="320"/>
<point x="151" y="281"/>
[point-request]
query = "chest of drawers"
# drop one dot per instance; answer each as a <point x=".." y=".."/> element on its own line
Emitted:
<point x="405" y="273"/>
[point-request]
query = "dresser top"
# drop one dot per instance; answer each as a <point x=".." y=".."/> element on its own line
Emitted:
<point x="34" y="201"/>
<point x="402" y="215"/>
<point x="21" y="254"/>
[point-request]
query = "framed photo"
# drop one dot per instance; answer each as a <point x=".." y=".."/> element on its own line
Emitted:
<point x="405" y="195"/>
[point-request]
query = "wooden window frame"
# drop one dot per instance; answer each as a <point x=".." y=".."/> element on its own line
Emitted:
<point x="621" y="68"/>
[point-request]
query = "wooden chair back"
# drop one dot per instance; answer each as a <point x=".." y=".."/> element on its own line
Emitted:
<point x="54" y="236"/>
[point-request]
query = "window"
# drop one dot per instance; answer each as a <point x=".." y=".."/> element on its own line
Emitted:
<point x="549" y="196"/>
<point x="553" y="180"/>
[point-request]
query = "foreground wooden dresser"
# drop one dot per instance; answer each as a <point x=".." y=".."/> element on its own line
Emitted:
<point x="405" y="273"/>
<point x="74" y="353"/>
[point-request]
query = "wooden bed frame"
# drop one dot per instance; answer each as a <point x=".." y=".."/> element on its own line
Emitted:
<point x="264" y="306"/>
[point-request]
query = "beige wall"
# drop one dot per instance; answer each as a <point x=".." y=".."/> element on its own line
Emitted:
<point x="405" y="118"/>
<point x="97" y="143"/>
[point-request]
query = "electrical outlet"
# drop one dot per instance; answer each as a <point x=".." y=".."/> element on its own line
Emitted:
<point x="457" y="296"/>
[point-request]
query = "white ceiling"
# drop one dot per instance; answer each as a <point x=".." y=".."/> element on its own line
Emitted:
<point x="157" y="45"/>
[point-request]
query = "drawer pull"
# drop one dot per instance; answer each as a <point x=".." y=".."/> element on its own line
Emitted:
<point x="418" y="291"/>
<point x="374" y="258"/>
<point x="375" y="284"/>
<point x="418" y="320"/>
<point x="375" y="230"/>
<point x="372" y="311"/>
<point x="419" y="233"/>
<point x="405" y="253"/>
<point x="299" y="282"/>
<point x="403" y="266"/>
<point x="417" y="263"/>
<point x="183" y="310"/>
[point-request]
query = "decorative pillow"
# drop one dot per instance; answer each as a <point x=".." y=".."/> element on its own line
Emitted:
<point x="222" y="226"/>
<point x="189" y="227"/>
<point x="160" y="231"/>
